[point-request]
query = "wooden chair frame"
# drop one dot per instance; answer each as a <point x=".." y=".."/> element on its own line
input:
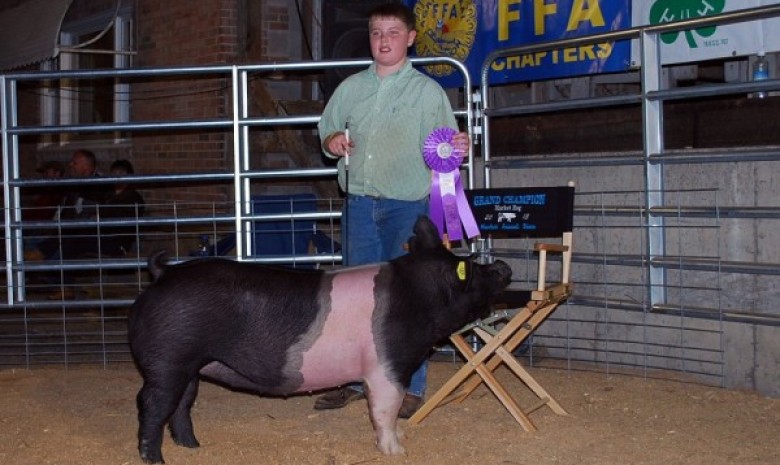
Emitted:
<point x="479" y="367"/>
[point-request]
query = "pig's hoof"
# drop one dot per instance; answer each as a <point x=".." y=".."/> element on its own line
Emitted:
<point x="149" y="456"/>
<point x="189" y="442"/>
<point x="392" y="448"/>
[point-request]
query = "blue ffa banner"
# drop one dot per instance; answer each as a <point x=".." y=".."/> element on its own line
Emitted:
<point x="468" y="30"/>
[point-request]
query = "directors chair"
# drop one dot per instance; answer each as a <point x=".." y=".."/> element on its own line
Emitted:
<point x="545" y="212"/>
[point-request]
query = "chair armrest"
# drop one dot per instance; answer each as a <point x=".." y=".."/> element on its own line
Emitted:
<point x="551" y="247"/>
<point x="563" y="248"/>
<point x="553" y="293"/>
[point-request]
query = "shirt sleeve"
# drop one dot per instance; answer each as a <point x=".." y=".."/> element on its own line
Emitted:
<point x="332" y="119"/>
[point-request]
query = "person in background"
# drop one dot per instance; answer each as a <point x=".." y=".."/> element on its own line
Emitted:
<point x="389" y="108"/>
<point x="77" y="202"/>
<point x="44" y="205"/>
<point x="121" y="202"/>
<point x="51" y="170"/>
<point x="80" y="202"/>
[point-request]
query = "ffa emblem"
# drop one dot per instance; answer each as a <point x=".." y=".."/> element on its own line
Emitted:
<point x="445" y="28"/>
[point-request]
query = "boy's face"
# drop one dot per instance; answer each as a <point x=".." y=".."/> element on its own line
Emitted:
<point x="390" y="39"/>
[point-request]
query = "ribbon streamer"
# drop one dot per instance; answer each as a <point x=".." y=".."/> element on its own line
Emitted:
<point x="448" y="205"/>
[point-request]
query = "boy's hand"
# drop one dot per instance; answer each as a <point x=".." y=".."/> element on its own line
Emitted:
<point x="338" y="144"/>
<point x="460" y="141"/>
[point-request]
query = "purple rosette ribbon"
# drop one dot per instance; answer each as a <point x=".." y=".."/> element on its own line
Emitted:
<point x="448" y="205"/>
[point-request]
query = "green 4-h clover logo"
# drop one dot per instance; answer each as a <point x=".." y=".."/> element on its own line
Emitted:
<point x="664" y="11"/>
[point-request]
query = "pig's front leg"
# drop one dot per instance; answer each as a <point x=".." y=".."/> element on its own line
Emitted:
<point x="384" y="402"/>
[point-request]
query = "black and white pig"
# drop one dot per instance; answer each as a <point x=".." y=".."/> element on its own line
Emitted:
<point x="279" y="331"/>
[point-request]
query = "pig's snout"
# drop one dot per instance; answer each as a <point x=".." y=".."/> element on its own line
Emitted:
<point x="502" y="272"/>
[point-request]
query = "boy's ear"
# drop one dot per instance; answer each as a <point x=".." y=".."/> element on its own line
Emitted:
<point x="412" y="36"/>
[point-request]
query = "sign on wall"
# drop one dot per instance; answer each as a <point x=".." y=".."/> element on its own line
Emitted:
<point x="469" y="30"/>
<point x="705" y="43"/>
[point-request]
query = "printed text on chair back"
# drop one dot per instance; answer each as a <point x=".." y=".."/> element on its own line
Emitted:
<point x="523" y="211"/>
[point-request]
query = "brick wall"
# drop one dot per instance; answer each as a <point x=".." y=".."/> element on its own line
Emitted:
<point x="275" y="27"/>
<point x="184" y="33"/>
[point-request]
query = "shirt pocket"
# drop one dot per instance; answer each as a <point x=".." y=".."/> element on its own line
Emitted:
<point x="405" y="122"/>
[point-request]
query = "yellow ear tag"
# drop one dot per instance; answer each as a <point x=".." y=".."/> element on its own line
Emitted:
<point x="461" y="270"/>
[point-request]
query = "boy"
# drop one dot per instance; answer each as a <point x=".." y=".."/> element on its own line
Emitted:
<point x="389" y="109"/>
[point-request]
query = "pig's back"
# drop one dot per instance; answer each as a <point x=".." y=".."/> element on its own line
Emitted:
<point x="195" y="309"/>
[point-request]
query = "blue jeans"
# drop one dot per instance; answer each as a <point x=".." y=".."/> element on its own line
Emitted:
<point x="376" y="231"/>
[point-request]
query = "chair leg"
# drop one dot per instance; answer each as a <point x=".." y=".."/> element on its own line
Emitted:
<point x="535" y="318"/>
<point x="479" y="366"/>
<point x="520" y="319"/>
<point x="440" y="395"/>
<point x="498" y="389"/>
<point x="527" y="378"/>
<point x="528" y="319"/>
<point x="465" y="371"/>
<point x="473" y="363"/>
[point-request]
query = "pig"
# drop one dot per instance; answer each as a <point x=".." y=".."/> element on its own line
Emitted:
<point x="279" y="331"/>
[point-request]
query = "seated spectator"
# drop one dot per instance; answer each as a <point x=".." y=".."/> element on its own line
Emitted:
<point x="78" y="202"/>
<point x="122" y="202"/>
<point x="45" y="205"/>
<point x="84" y="202"/>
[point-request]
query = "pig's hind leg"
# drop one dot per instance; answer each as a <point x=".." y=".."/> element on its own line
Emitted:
<point x="161" y="398"/>
<point x="181" y="421"/>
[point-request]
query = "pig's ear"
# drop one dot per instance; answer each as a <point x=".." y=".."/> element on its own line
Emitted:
<point x="426" y="236"/>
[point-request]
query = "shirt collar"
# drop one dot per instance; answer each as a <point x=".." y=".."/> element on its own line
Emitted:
<point x="403" y="70"/>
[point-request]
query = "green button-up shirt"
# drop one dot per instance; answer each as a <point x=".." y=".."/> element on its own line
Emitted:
<point x="389" y="119"/>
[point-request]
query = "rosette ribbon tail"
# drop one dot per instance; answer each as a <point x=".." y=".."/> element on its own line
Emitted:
<point x="464" y="210"/>
<point x="436" y="205"/>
